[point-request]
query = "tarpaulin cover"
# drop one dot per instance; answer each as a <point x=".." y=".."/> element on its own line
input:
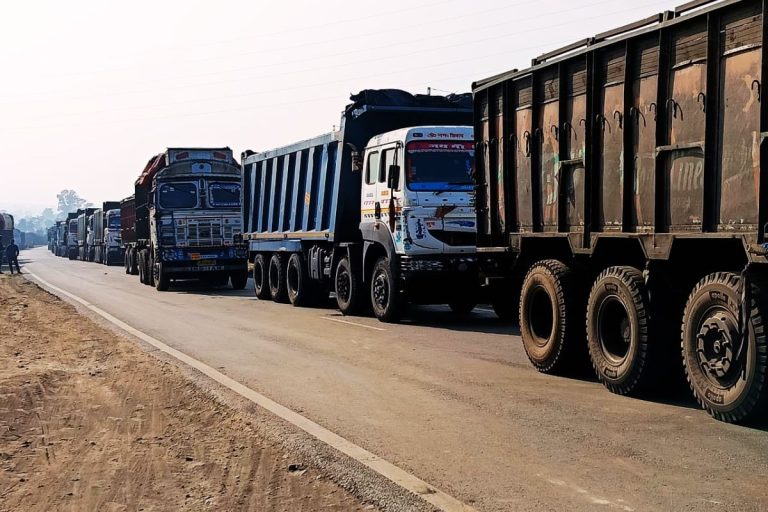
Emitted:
<point x="399" y="98"/>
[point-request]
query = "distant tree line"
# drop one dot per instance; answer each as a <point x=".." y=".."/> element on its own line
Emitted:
<point x="68" y="201"/>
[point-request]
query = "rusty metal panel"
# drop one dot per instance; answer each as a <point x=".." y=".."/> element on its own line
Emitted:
<point x="685" y="111"/>
<point x="609" y="125"/>
<point x="739" y="119"/>
<point x="642" y="123"/>
<point x="523" y="151"/>
<point x="573" y="135"/>
<point x="499" y="136"/>
<point x="546" y="136"/>
<point x="483" y="163"/>
<point x="644" y="134"/>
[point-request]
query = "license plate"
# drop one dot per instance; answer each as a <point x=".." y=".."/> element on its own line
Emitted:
<point x="206" y="263"/>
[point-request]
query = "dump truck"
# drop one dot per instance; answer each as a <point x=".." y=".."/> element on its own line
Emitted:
<point x="187" y="220"/>
<point x="104" y="234"/>
<point x="128" y="233"/>
<point x="380" y="212"/>
<point x="6" y="228"/>
<point x="71" y="235"/>
<point x="84" y="219"/>
<point x="60" y="248"/>
<point x="622" y="206"/>
<point x="51" y="236"/>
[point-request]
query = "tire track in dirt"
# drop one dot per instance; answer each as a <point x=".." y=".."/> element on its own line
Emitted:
<point x="88" y="421"/>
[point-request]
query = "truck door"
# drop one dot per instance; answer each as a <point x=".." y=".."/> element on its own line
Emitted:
<point x="370" y="206"/>
<point x="390" y="199"/>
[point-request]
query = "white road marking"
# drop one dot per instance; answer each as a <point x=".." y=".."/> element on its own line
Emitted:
<point x="385" y="468"/>
<point x="351" y="323"/>
<point x="594" y="500"/>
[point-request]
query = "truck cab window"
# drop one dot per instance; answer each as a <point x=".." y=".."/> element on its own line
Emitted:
<point x="390" y="158"/>
<point x="178" y="195"/>
<point x="372" y="169"/>
<point x="224" y="195"/>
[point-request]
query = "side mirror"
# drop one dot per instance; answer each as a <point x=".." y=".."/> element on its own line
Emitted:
<point x="393" y="179"/>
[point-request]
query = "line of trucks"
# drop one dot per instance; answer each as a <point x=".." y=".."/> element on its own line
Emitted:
<point x="612" y="197"/>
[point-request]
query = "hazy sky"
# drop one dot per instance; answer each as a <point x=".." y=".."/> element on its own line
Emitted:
<point x="90" y="90"/>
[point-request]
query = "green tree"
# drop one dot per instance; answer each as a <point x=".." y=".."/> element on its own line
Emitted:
<point x="69" y="201"/>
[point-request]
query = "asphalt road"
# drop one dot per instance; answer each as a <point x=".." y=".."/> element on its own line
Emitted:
<point x="453" y="402"/>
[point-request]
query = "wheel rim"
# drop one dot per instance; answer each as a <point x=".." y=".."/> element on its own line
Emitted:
<point x="540" y="316"/>
<point x="380" y="289"/>
<point x="614" y="329"/>
<point x="343" y="284"/>
<point x="718" y="345"/>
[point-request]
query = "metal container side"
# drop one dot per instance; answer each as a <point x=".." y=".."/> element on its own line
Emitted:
<point x="658" y="130"/>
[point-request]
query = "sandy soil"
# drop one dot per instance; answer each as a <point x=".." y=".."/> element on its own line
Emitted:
<point x="89" y="421"/>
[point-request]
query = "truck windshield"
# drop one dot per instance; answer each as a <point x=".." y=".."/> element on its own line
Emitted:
<point x="225" y="195"/>
<point x="73" y="227"/>
<point x="178" y="195"/>
<point x="439" y="166"/>
<point x="114" y="222"/>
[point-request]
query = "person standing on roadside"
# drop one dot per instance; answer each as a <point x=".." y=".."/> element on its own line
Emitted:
<point x="12" y="256"/>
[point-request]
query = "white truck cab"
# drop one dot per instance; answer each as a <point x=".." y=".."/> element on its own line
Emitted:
<point x="428" y="207"/>
<point x="417" y="197"/>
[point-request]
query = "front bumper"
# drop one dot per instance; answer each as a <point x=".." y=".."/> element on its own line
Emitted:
<point x="460" y="264"/>
<point x="205" y="266"/>
<point x="439" y="279"/>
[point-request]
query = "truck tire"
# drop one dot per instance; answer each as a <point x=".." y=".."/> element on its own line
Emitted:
<point x="618" y="320"/>
<point x="149" y="270"/>
<point x="260" y="278"/>
<point x="298" y="283"/>
<point x="140" y="265"/>
<point x="508" y="310"/>
<point x="162" y="279"/>
<point x="239" y="279"/>
<point x="726" y="367"/>
<point x="548" y="317"/>
<point x="348" y="288"/>
<point x="462" y="307"/>
<point x="386" y="299"/>
<point x="277" y="282"/>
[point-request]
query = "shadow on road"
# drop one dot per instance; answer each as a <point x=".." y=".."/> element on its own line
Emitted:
<point x="441" y="317"/>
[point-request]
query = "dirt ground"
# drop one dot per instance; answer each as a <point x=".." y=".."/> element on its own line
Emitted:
<point x="89" y="421"/>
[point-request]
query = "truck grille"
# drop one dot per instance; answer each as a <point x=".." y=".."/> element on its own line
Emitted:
<point x="205" y="233"/>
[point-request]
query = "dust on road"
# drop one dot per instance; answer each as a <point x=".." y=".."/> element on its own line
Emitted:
<point x="89" y="421"/>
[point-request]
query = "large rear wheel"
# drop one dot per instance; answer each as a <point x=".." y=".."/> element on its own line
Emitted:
<point x="618" y="321"/>
<point x="300" y="287"/>
<point x="239" y="279"/>
<point x="162" y="279"/>
<point x="463" y="307"/>
<point x="142" y="273"/>
<point x="726" y="356"/>
<point x="348" y="288"/>
<point x="550" y="326"/>
<point x="277" y="282"/>
<point x="260" y="278"/>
